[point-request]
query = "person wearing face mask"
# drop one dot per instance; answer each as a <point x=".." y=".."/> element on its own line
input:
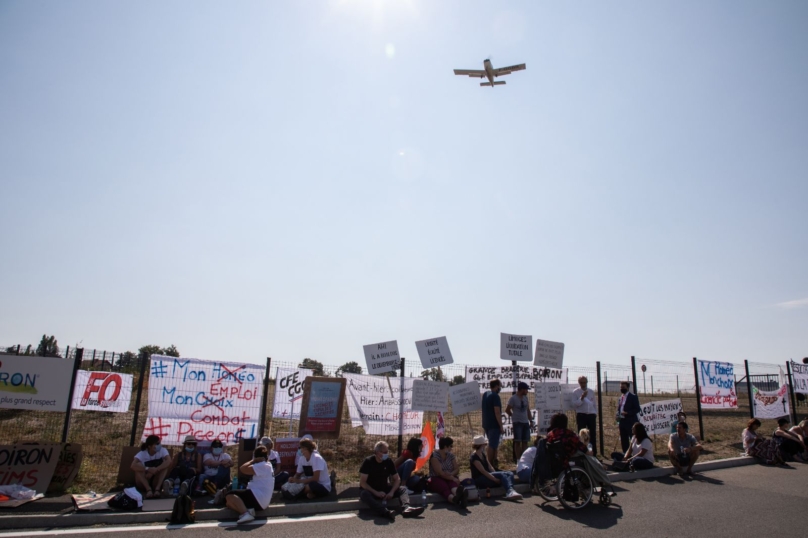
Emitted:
<point x="217" y="465"/>
<point x="492" y="420"/>
<point x="312" y="471"/>
<point x="186" y="466"/>
<point x="586" y="413"/>
<point x="150" y="466"/>
<point x="628" y="407"/>
<point x="380" y="482"/>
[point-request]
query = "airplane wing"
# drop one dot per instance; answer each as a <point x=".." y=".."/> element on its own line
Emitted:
<point x="508" y="70"/>
<point x="477" y="73"/>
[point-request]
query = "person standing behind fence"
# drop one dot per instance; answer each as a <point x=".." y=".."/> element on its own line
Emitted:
<point x="586" y="413"/>
<point x="628" y="407"/>
<point x="492" y="419"/>
<point x="518" y="409"/>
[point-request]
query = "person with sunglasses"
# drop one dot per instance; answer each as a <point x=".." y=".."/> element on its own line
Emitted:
<point x="518" y="409"/>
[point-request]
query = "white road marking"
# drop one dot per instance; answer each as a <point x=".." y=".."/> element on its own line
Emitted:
<point x="102" y="530"/>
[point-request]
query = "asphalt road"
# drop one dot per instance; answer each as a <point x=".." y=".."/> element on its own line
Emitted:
<point x="748" y="501"/>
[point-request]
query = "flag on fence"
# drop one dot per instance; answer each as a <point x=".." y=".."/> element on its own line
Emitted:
<point x="440" y="429"/>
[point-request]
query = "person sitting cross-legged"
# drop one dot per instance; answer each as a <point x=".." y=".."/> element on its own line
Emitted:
<point x="380" y="482"/>
<point x="683" y="450"/>
<point x="640" y="453"/>
<point x="443" y="474"/>
<point x="484" y="475"/>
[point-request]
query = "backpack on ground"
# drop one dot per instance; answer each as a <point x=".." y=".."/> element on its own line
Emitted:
<point x="123" y="501"/>
<point x="183" y="511"/>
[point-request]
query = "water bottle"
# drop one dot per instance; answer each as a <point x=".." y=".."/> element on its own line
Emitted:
<point x="176" y="486"/>
<point x="235" y="482"/>
<point x="423" y="498"/>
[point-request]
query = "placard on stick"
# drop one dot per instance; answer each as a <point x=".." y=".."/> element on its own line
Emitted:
<point x="321" y="410"/>
<point x="434" y="352"/>
<point x="515" y="347"/>
<point x="382" y="357"/>
<point x="549" y="354"/>
<point x="429" y="395"/>
<point x="465" y="398"/>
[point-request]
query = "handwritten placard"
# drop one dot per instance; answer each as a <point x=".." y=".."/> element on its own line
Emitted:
<point x="717" y="385"/>
<point x="549" y="354"/>
<point x="383" y="405"/>
<point x="382" y="357"/>
<point x="465" y="398"/>
<point x="799" y="373"/>
<point x="567" y="397"/>
<point x="548" y="396"/>
<point x="515" y="347"/>
<point x="429" y="395"/>
<point x="657" y="417"/>
<point x="434" y="352"/>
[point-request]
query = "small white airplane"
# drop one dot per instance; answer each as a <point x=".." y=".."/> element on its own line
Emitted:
<point x="489" y="72"/>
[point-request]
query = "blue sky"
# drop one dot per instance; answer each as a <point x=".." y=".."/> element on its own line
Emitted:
<point x="299" y="179"/>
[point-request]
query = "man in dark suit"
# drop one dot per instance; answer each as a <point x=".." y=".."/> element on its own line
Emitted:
<point x="627" y="408"/>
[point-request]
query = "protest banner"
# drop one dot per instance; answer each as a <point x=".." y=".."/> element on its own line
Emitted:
<point x="382" y="357"/>
<point x="544" y="419"/>
<point x="507" y="424"/>
<point x="67" y="468"/>
<point x="207" y="399"/>
<point x="515" y="347"/>
<point x="289" y="392"/>
<point x="799" y="376"/>
<point x="31" y="466"/>
<point x="434" y="352"/>
<point x="548" y="396"/>
<point x="567" y="397"/>
<point x="531" y="375"/>
<point x="465" y="398"/>
<point x="549" y="354"/>
<point x="717" y="385"/>
<point x="771" y="404"/>
<point x="378" y="405"/>
<point x="657" y="417"/>
<point x="286" y="448"/>
<point x="102" y="391"/>
<point x="321" y="410"/>
<point x="36" y="383"/>
<point x="429" y="395"/>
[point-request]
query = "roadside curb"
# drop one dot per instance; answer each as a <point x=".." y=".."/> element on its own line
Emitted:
<point x="78" y="519"/>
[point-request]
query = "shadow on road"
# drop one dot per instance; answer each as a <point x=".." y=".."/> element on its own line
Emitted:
<point x="594" y="515"/>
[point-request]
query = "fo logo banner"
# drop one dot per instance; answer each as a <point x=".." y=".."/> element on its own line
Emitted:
<point x="102" y="391"/>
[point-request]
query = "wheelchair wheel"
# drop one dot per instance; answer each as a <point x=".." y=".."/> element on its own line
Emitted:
<point x="548" y="490"/>
<point x="575" y="488"/>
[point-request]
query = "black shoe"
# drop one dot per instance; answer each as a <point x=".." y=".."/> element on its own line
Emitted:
<point x="460" y="496"/>
<point x="389" y="514"/>
<point x="410" y="511"/>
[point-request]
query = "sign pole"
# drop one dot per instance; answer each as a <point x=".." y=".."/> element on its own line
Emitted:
<point x="791" y="392"/>
<point x="401" y="408"/>
<point x="600" y="410"/>
<point x="634" y="375"/>
<point x="749" y="390"/>
<point x="263" y="421"/>
<point x="76" y="364"/>
<point x="698" y="397"/>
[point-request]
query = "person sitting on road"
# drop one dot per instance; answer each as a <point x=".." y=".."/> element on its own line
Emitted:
<point x="312" y="470"/>
<point x="802" y="430"/>
<point x="281" y="477"/>
<point x="683" y="450"/>
<point x="791" y="445"/>
<point x="759" y="447"/>
<point x="405" y="464"/>
<point x="217" y="464"/>
<point x="380" y="482"/>
<point x="258" y="494"/>
<point x="185" y="467"/>
<point x="483" y="474"/>
<point x="583" y="435"/>
<point x="151" y="466"/>
<point x="640" y="455"/>
<point x="443" y="474"/>
<point x="525" y="465"/>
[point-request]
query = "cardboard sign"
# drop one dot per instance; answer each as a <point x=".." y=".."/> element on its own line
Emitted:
<point x="465" y="398"/>
<point x="545" y="415"/>
<point x="67" y="468"/>
<point x="799" y="375"/>
<point x="321" y="411"/>
<point x="507" y="424"/>
<point x="529" y="374"/>
<point x="287" y="450"/>
<point x="31" y="466"/>
<point x="289" y="392"/>
<point x="771" y="404"/>
<point x="548" y="396"/>
<point x="549" y="354"/>
<point x="434" y="352"/>
<point x="657" y="417"/>
<point x="717" y="385"/>
<point x="36" y="383"/>
<point x="378" y="405"/>
<point x="515" y="347"/>
<point x="102" y="391"/>
<point x="382" y="357"/>
<point x="429" y="395"/>
<point x="567" y="397"/>
<point x="207" y="399"/>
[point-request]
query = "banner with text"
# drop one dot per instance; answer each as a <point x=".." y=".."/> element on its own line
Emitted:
<point x="658" y="416"/>
<point x="529" y="374"/>
<point x="771" y="404"/>
<point x="374" y="404"/>
<point x="507" y="424"/>
<point x="207" y="399"/>
<point x="717" y="385"/>
<point x="515" y="347"/>
<point x="37" y="383"/>
<point x="32" y="465"/>
<point x="102" y="391"/>
<point x="289" y="392"/>
<point x="799" y="373"/>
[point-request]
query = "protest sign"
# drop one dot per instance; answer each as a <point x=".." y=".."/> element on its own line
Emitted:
<point x="507" y="424"/>
<point x="548" y="396"/>
<point x="321" y="410"/>
<point x="102" y="391"/>
<point x="771" y="404"/>
<point x="465" y="398"/>
<point x="544" y="419"/>
<point x="531" y="375"/>
<point x="434" y="352"/>
<point x="429" y="395"/>
<point x="287" y="450"/>
<point x="37" y="383"/>
<point x="31" y="466"/>
<point x="717" y="385"/>
<point x="549" y="354"/>
<point x="289" y="392"/>
<point x="515" y="347"/>
<point x="376" y="404"/>
<point x="207" y="399"/>
<point x="382" y="357"/>
<point x="799" y="376"/>
<point x="67" y="468"/>
<point x="657" y="417"/>
<point x="567" y="397"/>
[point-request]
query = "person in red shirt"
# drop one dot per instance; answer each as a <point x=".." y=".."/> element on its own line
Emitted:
<point x="570" y="442"/>
<point x="405" y="464"/>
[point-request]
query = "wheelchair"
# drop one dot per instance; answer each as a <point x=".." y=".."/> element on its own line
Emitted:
<point x="572" y="486"/>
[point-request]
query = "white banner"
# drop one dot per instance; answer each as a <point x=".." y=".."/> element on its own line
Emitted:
<point x="465" y="398"/>
<point x="567" y="397"/>
<point x="434" y="352"/>
<point x="429" y="395"/>
<point x="382" y="357"/>
<point x="717" y="385"/>
<point x="799" y="373"/>
<point x="531" y="375"/>
<point x="658" y="416"/>
<point x="507" y="424"/>
<point x="38" y="383"/>
<point x="515" y="347"/>
<point x="549" y="354"/>
<point x="102" y="391"/>
<point x="773" y="404"/>
<point x="374" y="404"/>
<point x="207" y="399"/>
<point x="548" y="396"/>
<point x="289" y="392"/>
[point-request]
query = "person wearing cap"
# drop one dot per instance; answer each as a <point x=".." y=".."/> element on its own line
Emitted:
<point x="484" y="475"/>
<point x="185" y="467"/>
<point x="217" y="464"/>
<point x="281" y="477"/>
<point x="518" y="409"/>
<point x="586" y="412"/>
<point x="380" y="482"/>
<point x="258" y="494"/>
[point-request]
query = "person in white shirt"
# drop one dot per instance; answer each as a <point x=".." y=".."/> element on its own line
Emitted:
<point x="258" y="494"/>
<point x="312" y="471"/>
<point x="281" y="477"/>
<point x="151" y="466"/>
<point x="217" y="464"/>
<point x="640" y="455"/>
<point x="525" y="465"/>
<point x="586" y="412"/>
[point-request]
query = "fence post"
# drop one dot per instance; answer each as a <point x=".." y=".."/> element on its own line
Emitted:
<point x="93" y="363"/>
<point x="67" y="352"/>
<point x="698" y="397"/>
<point x="143" y="360"/>
<point x="76" y="364"/>
<point x="264" y="400"/>
<point x="18" y="349"/>
<point x="401" y="409"/>
<point x="652" y="386"/>
<point x="600" y="410"/>
<point x="634" y="375"/>
<point x="791" y="392"/>
<point x="678" y="394"/>
<point x="749" y="389"/>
